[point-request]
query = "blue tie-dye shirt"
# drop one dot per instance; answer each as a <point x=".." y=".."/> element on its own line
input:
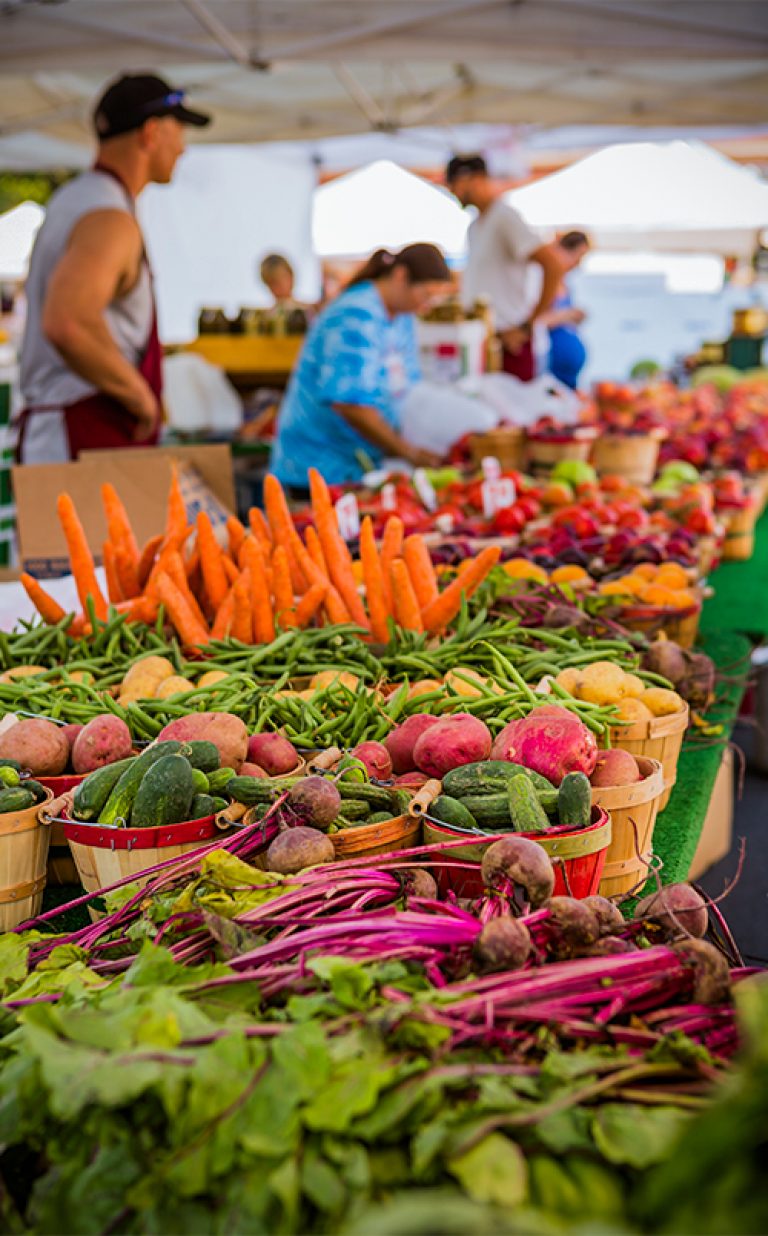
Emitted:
<point x="355" y="353"/>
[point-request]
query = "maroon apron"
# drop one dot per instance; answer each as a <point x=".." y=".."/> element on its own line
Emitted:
<point x="521" y="364"/>
<point x="98" y="421"/>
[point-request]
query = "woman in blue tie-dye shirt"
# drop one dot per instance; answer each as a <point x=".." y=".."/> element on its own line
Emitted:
<point x="358" y="361"/>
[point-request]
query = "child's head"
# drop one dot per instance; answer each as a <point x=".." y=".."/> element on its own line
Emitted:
<point x="277" y="273"/>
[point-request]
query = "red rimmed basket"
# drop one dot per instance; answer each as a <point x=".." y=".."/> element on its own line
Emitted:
<point x="61" y="865"/>
<point x="545" y="450"/>
<point x="577" y="855"/>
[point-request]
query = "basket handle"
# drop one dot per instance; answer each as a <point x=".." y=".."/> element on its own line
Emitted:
<point x="423" y="798"/>
<point x="326" y="760"/>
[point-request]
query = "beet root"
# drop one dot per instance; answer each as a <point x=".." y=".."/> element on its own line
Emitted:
<point x="711" y="983"/>
<point x="518" y="861"/>
<point x="666" y="658"/>
<point x="314" y="802"/>
<point x="296" y="848"/>
<point x="421" y="884"/>
<point x="678" y="909"/>
<point x="572" y="926"/>
<point x="610" y="946"/>
<point x="503" y="944"/>
<point x="608" y="915"/>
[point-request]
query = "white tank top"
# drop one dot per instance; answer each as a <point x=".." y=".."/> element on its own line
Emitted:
<point x="46" y="379"/>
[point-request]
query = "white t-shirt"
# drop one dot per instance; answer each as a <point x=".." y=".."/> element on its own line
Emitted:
<point x="500" y="244"/>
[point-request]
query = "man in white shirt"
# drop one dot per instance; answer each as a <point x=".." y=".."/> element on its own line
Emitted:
<point x="501" y="247"/>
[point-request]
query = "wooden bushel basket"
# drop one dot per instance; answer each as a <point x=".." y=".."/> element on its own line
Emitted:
<point x="660" y="738"/>
<point x="507" y="444"/>
<point x="739" y="543"/>
<point x="23" y="858"/>
<point x="633" y="810"/>
<point x="633" y="456"/>
<point x="61" y="865"/>
<point x="547" y="450"/>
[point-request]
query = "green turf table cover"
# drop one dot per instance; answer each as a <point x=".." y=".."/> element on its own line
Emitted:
<point x="740" y="602"/>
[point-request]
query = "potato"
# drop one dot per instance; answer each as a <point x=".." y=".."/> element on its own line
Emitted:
<point x="104" y="740"/>
<point x="144" y="677"/>
<point x="212" y="677"/>
<point x="602" y="682"/>
<point x="456" y="680"/>
<point x="424" y="686"/>
<point x="22" y="671"/>
<point x="328" y="678"/>
<point x="630" y="709"/>
<point x="615" y="767"/>
<point x="227" y="733"/>
<point x="570" y="679"/>
<point x="172" y="686"/>
<point x="38" y="745"/>
<point x="633" y="687"/>
<point x="661" y="701"/>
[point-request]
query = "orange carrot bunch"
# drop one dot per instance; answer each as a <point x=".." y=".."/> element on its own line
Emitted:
<point x="265" y="577"/>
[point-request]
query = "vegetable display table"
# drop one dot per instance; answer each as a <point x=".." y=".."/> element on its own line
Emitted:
<point x="740" y="602"/>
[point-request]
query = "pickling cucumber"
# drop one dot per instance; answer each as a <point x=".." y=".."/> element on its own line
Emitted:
<point x="574" y="800"/>
<point x="525" y="810"/>
<point x="451" y="811"/>
<point x="119" y="804"/>
<point x="15" y="798"/>
<point x="92" y="793"/>
<point x="203" y="755"/>
<point x="165" y="793"/>
<point x="489" y="777"/>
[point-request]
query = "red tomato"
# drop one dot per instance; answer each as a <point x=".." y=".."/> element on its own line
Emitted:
<point x="528" y="507"/>
<point x="508" y="522"/>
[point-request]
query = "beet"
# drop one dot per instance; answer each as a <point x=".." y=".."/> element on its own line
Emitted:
<point x="678" y="909"/>
<point x="453" y="741"/>
<point x="711" y="984"/>
<point x="401" y="742"/>
<point x="376" y="758"/>
<point x="503" y="944"/>
<point x="666" y="658"/>
<point x="550" y="740"/>
<point x="516" y="860"/>
<point x="274" y="753"/>
<point x="573" y="926"/>
<point x="296" y="848"/>
<point x="608" y="915"/>
<point x="698" y="685"/>
<point x="314" y="801"/>
<point x="421" y="884"/>
<point x="560" y="616"/>
<point x="610" y="946"/>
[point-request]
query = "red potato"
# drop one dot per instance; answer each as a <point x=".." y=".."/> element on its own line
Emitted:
<point x="104" y="740"/>
<point x="274" y="753"/>
<point x="71" y="732"/>
<point x="401" y="742"/>
<point x="453" y="741"/>
<point x="376" y="758"/>
<point x="252" y="770"/>
<point x="412" y="780"/>
<point x="615" y="767"/>
<point x="227" y="733"/>
<point x="39" y="746"/>
<point x="550" y="740"/>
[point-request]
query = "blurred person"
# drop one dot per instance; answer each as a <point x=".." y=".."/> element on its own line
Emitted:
<point x="278" y="277"/>
<point x="91" y="361"/>
<point x="501" y="248"/>
<point x="358" y="363"/>
<point x="567" y="353"/>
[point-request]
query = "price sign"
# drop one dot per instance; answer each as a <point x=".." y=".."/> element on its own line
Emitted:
<point x="491" y="468"/>
<point x="444" y="524"/>
<point x="388" y="497"/>
<point x="497" y="496"/>
<point x="348" y="515"/>
<point x="425" y="489"/>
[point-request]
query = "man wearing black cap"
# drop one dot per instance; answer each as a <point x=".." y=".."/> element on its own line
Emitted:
<point x="501" y="249"/>
<point x="91" y="358"/>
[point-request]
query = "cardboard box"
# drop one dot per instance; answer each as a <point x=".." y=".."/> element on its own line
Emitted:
<point x="141" y="476"/>
<point x="717" y="831"/>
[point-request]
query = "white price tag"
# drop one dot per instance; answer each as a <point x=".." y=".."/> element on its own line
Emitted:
<point x="425" y="489"/>
<point x="388" y="497"/>
<point x="497" y="496"/>
<point x="491" y="468"/>
<point x="348" y="515"/>
<point x="444" y="524"/>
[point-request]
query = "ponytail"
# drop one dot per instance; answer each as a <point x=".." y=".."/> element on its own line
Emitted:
<point x="424" y="263"/>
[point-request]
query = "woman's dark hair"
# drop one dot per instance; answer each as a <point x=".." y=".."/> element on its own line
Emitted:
<point x="574" y="240"/>
<point x="424" y="263"/>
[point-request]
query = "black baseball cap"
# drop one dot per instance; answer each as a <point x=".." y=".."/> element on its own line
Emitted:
<point x="132" y="99"/>
<point x="465" y="165"/>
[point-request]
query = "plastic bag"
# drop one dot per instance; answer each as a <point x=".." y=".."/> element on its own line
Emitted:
<point x="522" y="403"/>
<point x="435" y="416"/>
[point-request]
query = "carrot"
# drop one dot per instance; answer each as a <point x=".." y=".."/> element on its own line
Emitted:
<point x="109" y="554"/>
<point x="335" y="550"/>
<point x="439" y="613"/>
<point x="147" y="558"/>
<point x="310" y="603"/>
<point x="374" y="583"/>
<point x="173" y="566"/>
<point x="47" y="607"/>
<point x="242" y="620"/>
<point x="391" y="548"/>
<point x="139" y="609"/>
<point x="282" y="588"/>
<point x="420" y="569"/>
<point x="334" y="606"/>
<point x="180" y="613"/>
<point x="260" y="529"/>
<point x="231" y="570"/>
<point x="315" y="550"/>
<point x="80" y="556"/>
<point x="127" y="572"/>
<point x="281" y="526"/>
<point x="118" y="523"/>
<point x="176" y="518"/>
<point x="225" y="614"/>
<point x="211" y="564"/>
<point x="236" y="534"/>
<point x="261" y="603"/>
<point x="407" y="611"/>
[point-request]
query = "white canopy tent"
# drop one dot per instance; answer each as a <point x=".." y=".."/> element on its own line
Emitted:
<point x="383" y="205"/>
<point x="276" y="69"/>
<point x="674" y="196"/>
<point x="18" y="229"/>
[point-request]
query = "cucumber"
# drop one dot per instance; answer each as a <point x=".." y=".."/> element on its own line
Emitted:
<point x="574" y="801"/>
<point x="490" y="811"/>
<point x="200" y="781"/>
<point x="379" y="817"/>
<point x="220" y="778"/>
<point x="120" y="800"/>
<point x="15" y="798"/>
<point x="219" y="804"/>
<point x="37" y="789"/>
<point x="203" y="755"/>
<point x="202" y="806"/>
<point x="92" y="793"/>
<point x="450" y="811"/>
<point x="489" y="777"/>
<point x="9" y="776"/>
<point x="165" y="793"/>
<point x="252" y="790"/>
<point x="8" y="763"/>
<point x="376" y="795"/>
<point x="525" y="810"/>
<point x="356" y="809"/>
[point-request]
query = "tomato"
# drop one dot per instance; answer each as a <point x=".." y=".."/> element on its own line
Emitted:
<point x="529" y="507"/>
<point x="633" y="518"/>
<point x="508" y="522"/>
